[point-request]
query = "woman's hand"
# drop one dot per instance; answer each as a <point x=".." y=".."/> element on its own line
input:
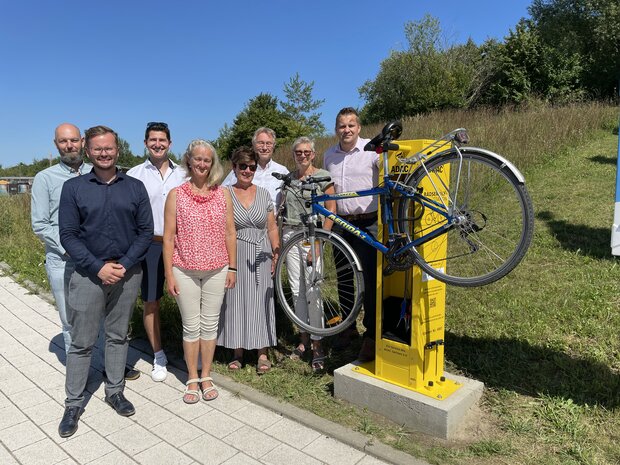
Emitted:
<point x="317" y="252"/>
<point x="231" y="279"/>
<point x="274" y="261"/>
<point x="173" y="289"/>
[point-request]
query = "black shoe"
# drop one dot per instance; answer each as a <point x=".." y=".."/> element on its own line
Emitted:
<point x="130" y="374"/>
<point x="367" y="351"/>
<point x="119" y="403"/>
<point x="69" y="423"/>
<point x="343" y="340"/>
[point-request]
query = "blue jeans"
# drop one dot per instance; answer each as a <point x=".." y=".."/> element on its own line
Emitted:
<point x="56" y="268"/>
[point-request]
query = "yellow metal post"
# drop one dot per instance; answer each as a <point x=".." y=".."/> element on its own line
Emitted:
<point x="411" y="312"/>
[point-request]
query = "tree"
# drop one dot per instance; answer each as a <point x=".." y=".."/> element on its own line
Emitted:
<point x="588" y="30"/>
<point x="525" y="67"/>
<point x="260" y="111"/>
<point x="22" y="169"/>
<point x="126" y="158"/>
<point x="300" y="109"/>
<point x="427" y="76"/>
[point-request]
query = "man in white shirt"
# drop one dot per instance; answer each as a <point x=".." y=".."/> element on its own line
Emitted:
<point x="353" y="169"/>
<point x="264" y="143"/>
<point x="159" y="175"/>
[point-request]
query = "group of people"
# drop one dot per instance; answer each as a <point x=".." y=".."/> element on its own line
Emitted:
<point x="109" y="235"/>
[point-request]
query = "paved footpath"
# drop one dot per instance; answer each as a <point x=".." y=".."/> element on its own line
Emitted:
<point x="240" y="427"/>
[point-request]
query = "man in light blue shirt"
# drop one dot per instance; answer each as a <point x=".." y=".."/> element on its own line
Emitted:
<point x="46" y="189"/>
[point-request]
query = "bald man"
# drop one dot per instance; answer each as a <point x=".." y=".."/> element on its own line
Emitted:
<point x="46" y="189"/>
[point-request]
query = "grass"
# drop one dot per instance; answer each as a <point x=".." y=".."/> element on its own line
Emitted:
<point x="544" y="340"/>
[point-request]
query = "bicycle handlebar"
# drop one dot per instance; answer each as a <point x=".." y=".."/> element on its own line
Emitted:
<point x="287" y="180"/>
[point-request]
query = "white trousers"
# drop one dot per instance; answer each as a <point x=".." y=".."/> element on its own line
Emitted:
<point x="200" y="299"/>
<point x="307" y="308"/>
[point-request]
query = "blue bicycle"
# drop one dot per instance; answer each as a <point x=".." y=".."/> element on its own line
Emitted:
<point x="463" y="215"/>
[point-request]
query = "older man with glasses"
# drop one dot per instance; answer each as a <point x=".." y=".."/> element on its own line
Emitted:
<point x="106" y="227"/>
<point x="160" y="175"/>
<point x="263" y="143"/>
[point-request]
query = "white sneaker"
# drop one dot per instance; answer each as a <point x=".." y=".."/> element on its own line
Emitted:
<point x="159" y="372"/>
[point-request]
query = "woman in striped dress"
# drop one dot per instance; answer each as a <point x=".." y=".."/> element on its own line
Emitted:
<point x="247" y="319"/>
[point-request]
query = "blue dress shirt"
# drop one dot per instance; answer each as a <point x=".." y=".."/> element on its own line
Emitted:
<point x="100" y="222"/>
<point x="45" y="191"/>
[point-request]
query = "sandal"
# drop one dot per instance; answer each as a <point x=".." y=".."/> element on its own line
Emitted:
<point x="191" y="396"/>
<point x="263" y="366"/>
<point x="206" y="391"/>
<point x="235" y="365"/>
<point x="318" y="364"/>
<point x="298" y="352"/>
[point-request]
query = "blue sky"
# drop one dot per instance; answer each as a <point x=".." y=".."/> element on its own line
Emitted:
<point x="194" y="64"/>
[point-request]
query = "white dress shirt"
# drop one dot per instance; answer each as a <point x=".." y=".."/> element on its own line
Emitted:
<point x="158" y="187"/>
<point x="262" y="178"/>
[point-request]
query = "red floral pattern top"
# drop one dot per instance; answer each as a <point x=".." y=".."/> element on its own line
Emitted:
<point x="200" y="241"/>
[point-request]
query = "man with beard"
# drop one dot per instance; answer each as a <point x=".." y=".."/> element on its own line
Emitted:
<point x="46" y="189"/>
<point x="159" y="175"/>
<point x="106" y="226"/>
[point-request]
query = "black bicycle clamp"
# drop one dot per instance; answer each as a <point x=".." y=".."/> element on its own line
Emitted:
<point x="381" y="142"/>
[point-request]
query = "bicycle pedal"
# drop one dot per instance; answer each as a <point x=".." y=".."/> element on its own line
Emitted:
<point x="388" y="270"/>
<point x="334" y="321"/>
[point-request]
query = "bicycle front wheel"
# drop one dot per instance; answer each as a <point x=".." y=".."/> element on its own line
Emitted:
<point x="319" y="283"/>
<point x="487" y="210"/>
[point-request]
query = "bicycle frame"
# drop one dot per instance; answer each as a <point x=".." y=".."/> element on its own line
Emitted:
<point x="385" y="194"/>
<point x="442" y="190"/>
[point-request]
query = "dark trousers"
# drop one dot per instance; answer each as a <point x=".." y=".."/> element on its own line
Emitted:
<point x="368" y="258"/>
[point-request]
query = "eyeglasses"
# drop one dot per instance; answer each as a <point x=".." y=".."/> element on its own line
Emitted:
<point x="304" y="153"/>
<point x="245" y="166"/>
<point x="265" y="144"/>
<point x="100" y="150"/>
<point x="156" y="123"/>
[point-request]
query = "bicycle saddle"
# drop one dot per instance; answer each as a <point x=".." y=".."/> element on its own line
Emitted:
<point x="390" y="132"/>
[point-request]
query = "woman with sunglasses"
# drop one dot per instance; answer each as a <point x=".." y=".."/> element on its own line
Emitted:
<point x="293" y="207"/>
<point x="247" y="319"/>
<point x="200" y="260"/>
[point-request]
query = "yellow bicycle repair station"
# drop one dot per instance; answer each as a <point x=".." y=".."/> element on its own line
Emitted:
<point x="411" y="306"/>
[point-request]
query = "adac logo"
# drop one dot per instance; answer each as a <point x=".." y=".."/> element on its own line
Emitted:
<point x="399" y="169"/>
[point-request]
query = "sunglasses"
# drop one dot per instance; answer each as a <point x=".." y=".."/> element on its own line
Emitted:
<point x="245" y="166"/>
<point x="156" y="123"/>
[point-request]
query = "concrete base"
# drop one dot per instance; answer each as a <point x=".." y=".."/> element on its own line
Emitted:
<point x="439" y="418"/>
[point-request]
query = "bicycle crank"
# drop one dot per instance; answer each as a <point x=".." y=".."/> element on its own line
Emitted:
<point x="398" y="262"/>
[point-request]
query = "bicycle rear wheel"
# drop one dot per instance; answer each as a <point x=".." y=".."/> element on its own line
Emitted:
<point x="490" y="218"/>
<point x="322" y="296"/>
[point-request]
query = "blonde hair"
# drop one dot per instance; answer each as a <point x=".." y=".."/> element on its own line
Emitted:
<point x="216" y="173"/>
